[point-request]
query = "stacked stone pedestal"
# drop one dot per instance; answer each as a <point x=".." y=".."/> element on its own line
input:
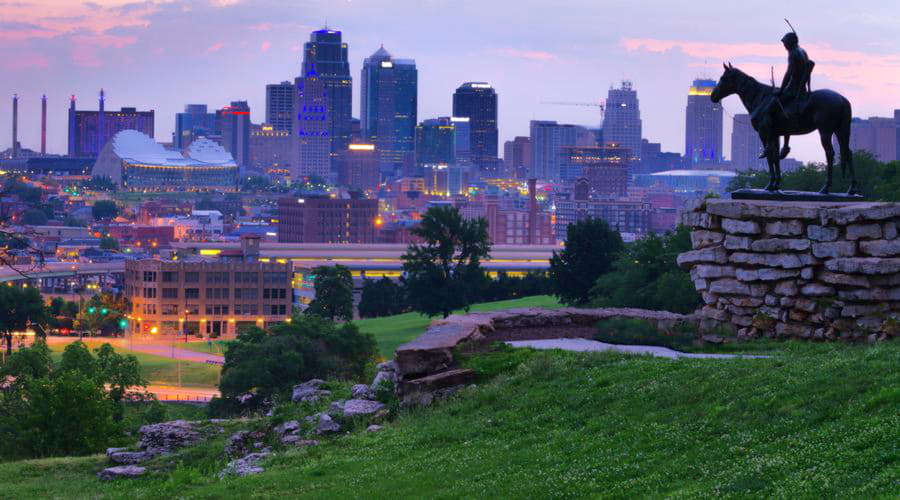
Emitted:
<point x="796" y="269"/>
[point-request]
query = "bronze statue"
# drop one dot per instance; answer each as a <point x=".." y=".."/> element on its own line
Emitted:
<point x="792" y="109"/>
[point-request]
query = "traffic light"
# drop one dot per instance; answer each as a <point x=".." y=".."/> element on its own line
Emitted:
<point x="104" y="311"/>
<point x="91" y="310"/>
<point x="123" y="323"/>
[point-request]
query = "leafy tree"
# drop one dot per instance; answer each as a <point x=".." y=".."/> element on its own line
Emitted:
<point x="444" y="273"/>
<point x="109" y="243"/>
<point x="268" y="364"/>
<point x="34" y="217"/>
<point x="645" y="275"/>
<point x="29" y="361"/>
<point x="20" y="308"/>
<point x="104" y="209"/>
<point x="334" y="293"/>
<point x="591" y="247"/>
<point x="77" y="357"/>
<point x="381" y="298"/>
<point x="118" y="373"/>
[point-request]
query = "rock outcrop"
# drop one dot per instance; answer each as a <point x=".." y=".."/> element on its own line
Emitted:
<point x="120" y="472"/>
<point x="166" y="437"/>
<point x="796" y="269"/>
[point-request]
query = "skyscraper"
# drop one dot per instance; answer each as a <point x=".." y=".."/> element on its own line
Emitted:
<point x="517" y="157"/>
<point x="622" y="119"/>
<point x="233" y="124"/>
<point x="327" y="56"/>
<point x="478" y="102"/>
<point x="877" y="135"/>
<point x="196" y="121"/>
<point x="703" y="131"/>
<point x="745" y="145"/>
<point x="436" y="142"/>
<point x="312" y="146"/>
<point x="90" y="130"/>
<point x="280" y="105"/>
<point x="547" y="140"/>
<point x="389" y="106"/>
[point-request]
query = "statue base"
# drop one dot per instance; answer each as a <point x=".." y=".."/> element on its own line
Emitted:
<point x="762" y="194"/>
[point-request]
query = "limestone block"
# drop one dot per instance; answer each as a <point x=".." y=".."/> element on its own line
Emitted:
<point x="716" y="314"/>
<point x="709" y="255"/>
<point x="834" y="249"/>
<point x="709" y="298"/>
<point x="771" y="300"/>
<point x="863" y="231"/>
<point x="857" y="310"/>
<point x="734" y="226"/>
<point x="843" y="279"/>
<point x="786" y="288"/>
<point x="744" y="209"/>
<point x="703" y="238"/>
<point x="773" y="274"/>
<point x="780" y="245"/>
<point x="708" y="271"/>
<point x="816" y="290"/>
<point x="806" y="305"/>
<point x="785" y="228"/>
<point x="737" y="242"/>
<point x="807" y="273"/>
<point x="880" y="248"/>
<point x="729" y="286"/>
<point x="822" y="233"/>
<point x="858" y="212"/>
<point x="742" y="320"/>
<point x="783" y="260"/>
<point x="740" y="311"/>
<point x="890" y="230"/>
<point x="787" y="302"/>
<point x="699" y="220"/>
<point x="700" y="284"/>
<point x="795" y="315"/>
<point x="759" y="289"/>
<point x="747" y="274"/>
<point x="864" y="265"/>
<point x="864" y="295"/>
<point x="746" y="301"/>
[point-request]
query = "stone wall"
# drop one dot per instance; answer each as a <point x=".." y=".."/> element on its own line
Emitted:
<point x="796" y="269"/>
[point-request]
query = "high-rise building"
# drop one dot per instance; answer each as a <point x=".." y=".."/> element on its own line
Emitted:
<point x="270" y="150"/>
<point x="547" y="140"/>
<point x="436" y="142"/>
<point x="322" y="219"/>
<point x="233" y="124"/>
<point x="358" y="168"/>
<point x="325" y="57"/>
<point x="280" y="106"/>
<point x="605" y="168"/>
<point x="89" y="131"/>
<point x="194" y="122"/>
<point x="477" y="101"/>
<point x="703" y="130"/>
<point x="622" y="119"/>
<point x="312" y="144"/>
<point x="389" y="107"/>
<point x="879" y="136"/>
<point x="463" y="139"/>
<point x="745" y="145"/>
<point x="15" y="127"/>
<point x="624" y="216"/>
<point x="517" y="157"/>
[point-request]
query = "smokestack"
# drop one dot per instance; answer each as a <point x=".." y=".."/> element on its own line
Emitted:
<point x="43" y="125"/>
<point x="532" y="211"/>
<point x="15" y="131"/>
<point x="100" y="121"/>
<point x="71" y="149"/>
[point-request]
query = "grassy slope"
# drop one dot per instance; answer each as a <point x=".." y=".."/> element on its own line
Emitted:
<point x="816" y="421"/>
<point x="161" y="370"/>
<point x="391" y="331"/>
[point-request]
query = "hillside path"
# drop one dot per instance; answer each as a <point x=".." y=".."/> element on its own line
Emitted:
<point x="585" y="345"/>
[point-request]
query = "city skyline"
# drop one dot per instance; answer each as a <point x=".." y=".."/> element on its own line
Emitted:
<point x="569" y="51"/>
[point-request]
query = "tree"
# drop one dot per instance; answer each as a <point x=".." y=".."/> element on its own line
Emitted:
<point x="334" y="293"/>
<point x="32" y="361"/>
<point x="21" y="307"/>
<point x="109" y="243"/>
<point x="645" y="275"/>
<point x="381" y="298"/>
<point x="445" y="272"/>
<point x="591" y="247"/>
<point x="34" y="217"/>
<point x="104" y="209"/>
<point x="268" y="364"/>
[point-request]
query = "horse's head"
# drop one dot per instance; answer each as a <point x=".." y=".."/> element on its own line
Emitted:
<point x="727" y="84"/>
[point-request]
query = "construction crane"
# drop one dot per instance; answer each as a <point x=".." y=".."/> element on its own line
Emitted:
<point x="601" y="105"/>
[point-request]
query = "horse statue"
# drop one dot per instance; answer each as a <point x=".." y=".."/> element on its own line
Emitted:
<point x="825" y="111"/>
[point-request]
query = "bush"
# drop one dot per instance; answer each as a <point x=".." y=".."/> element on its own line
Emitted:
<point x="591" y="246"/>
<point x="640" y="332"/>
<point x="268" y="364"/>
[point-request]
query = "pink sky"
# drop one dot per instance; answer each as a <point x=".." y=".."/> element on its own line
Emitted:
<point x="162" y="55"/>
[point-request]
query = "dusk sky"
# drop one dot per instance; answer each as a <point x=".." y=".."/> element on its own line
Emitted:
<point x="162" y="55"/>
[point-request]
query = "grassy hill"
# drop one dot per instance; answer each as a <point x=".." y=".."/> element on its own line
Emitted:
<point x="815" y="420"/>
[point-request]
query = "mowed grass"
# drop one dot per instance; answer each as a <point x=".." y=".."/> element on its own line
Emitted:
<point x="392" y="331"/>
<point x="816" y="421"/>
<point x="160" y="370"/>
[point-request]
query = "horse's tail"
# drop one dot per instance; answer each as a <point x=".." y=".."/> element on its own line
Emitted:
<point x="843" y="136"/>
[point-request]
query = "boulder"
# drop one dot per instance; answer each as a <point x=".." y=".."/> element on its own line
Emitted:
<point x="129" y="457"/>
<point x="336" y="407"/>
<point x="166" y="437"/>
<point x="121" y="471"/>
<point x="361" y="391"/>
<point x="308" y="391"/>
<point x="374" y="428"/>
<point x="246" y="465"/>
<point x="324" y="423"/>
<point x="357" y="407"/>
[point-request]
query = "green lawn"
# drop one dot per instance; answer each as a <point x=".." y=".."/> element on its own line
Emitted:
<point x="815" y="421"/>
<point x="161" y="370"/>
<point x="391" y="331"/>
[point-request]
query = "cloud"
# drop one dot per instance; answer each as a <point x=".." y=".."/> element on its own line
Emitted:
<point x="265" y="46"/>
<point x="224" y="3"/>
<point x="214" y="48"/>
<point x="531" y="55"/>
<point x="260" y="27"/>
<point x="17" y="26"/>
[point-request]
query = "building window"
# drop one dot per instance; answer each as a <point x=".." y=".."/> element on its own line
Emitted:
<point x="149" y="276"/>
<point x="169" y="293"/>
<point x="149" y="293"/>
<point x="171" y="309"/>
<point x="149" y="308"/>
<point x="192" y="293"/>
<point x="192" y="277"/>
<point x="191" y="309"/>
<point x="170" y="276"/>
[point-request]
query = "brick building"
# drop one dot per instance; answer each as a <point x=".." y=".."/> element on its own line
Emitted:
<point x="321" y="219"/>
